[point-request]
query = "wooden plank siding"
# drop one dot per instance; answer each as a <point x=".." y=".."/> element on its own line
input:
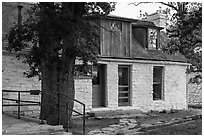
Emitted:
<point x="115" y="43"/>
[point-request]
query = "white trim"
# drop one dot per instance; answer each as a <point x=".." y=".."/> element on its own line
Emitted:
<point x="130" y="61"/>
<point x="116" y="108"/>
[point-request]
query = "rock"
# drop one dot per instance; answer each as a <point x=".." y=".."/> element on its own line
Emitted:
<point x="66" y="133"/>
<point x="122" y="124"/>
<point x="152" y="115"/>
<point x="132" y="132"/>
<point x="114" y="126"/>
<point x="168" y="111"/>
<point x="107" y="129"/>
<point x="146" y="125"/>
<point x="137" y="133"/>
<point x="97" y="131"/>
<point x="161" y="122"/>
<point x="132" y="120"/>
<point x="130" y="124"/>
<point x="140" y="115"/>
<point x="124" y="129"/>
<point x="98" y="118"/>
<point x="106" y="132"/>
<point x="174" y="110"/>
<point x="123" y="120"/>
<point x="162" y="111"/>
<point x="131" y="127"/>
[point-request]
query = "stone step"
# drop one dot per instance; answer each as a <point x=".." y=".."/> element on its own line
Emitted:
<point x="115" y="113"/>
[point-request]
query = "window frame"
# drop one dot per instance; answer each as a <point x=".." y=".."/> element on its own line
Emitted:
<point x="123" y="104"/>
<point x="160" y="83"/>
<point x="157" y="39"/>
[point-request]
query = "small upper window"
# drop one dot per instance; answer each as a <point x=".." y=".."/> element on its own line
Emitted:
<point x="152" y="39"/>
<point x="116" y="25"/>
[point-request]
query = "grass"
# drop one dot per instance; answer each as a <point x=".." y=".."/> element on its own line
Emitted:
<point x="187" y="128"/>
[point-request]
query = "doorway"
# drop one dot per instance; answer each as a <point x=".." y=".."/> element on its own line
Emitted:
<point x="98" y="86"/>
<point x="123" y="86"/>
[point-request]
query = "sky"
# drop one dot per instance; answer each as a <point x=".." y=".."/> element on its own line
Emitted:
<point x="125" y="9"/>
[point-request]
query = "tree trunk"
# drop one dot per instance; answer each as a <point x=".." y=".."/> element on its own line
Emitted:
<point x="57" y="74"/>
<point x="58" y="78"/>
<point x="49" y="96"/>
<point x="67" y="88"/>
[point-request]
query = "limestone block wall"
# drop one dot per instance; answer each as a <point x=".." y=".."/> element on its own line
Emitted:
<point x="174" y="87"/>
<point x="142" y="80"/>
<point x="83" y="93"/>
<point x="175" y="94"/>
<point x="12" y="75"/>
<point x="141" y="86"/>
<point x="13" y="79"/>
<point x="141" y="89"/>
<point x="112" y="85"/>
<point x="194" y="92"/>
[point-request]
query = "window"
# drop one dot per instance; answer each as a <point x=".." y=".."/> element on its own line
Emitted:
<point x="116" y="25"/>
<point x="158" y="83"/>
<point x="96" y="75"/>
<point x="152" y="39"/>
<point x="140" y="35"/>
<point x="148" y="38"/>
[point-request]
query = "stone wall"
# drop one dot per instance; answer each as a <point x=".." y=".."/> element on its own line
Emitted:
<point x="142" y="80"/>
<point x="174" y="87"/>
<point x="12" y="74"/>
<point x="175" y="94"/>
<point x="194" y="93"/>
<point x="141" y="89"/>
<point x="83" y="93"/>
<point x="13" y="79"/>
<point x="112" y="85"/>
<point x="141" y="86"/>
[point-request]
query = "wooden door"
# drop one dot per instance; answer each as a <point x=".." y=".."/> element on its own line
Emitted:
<point x="123" y="86"/>
<point x="98" y="86"/>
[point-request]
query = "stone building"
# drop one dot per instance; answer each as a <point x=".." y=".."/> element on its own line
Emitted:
<point x="132" y="72"/>
<point x="194" y="90"/>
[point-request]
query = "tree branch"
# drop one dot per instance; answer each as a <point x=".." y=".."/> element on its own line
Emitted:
<point x="169" y="5"/>
<point x="138" y="3"/>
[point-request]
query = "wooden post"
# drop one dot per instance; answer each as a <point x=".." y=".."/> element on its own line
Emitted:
<point x="19" y="14"/>
<point x="19" y="107"/>
<point x="58" y="98"/>
<point x="84" y="120"/>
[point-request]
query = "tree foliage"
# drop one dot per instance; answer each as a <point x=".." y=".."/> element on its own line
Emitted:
<point x="57" y="22"/>
<point x="186" y="35"/>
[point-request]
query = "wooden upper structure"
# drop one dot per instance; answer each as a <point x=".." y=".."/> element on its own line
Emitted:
<point x="132" y="39"/>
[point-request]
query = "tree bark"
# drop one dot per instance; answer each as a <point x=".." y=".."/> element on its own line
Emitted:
<point x="49" y="96"/>
<point x="67" y="88"/>
<point x="58" y="78"/>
